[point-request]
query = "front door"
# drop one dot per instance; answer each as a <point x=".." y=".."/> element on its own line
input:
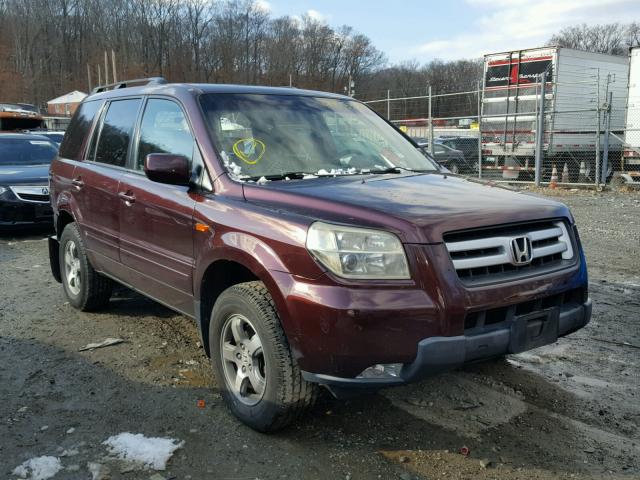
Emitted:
<point x="156" y="220"/>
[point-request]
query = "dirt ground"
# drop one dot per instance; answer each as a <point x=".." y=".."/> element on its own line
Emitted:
<point x="569" y="410"/>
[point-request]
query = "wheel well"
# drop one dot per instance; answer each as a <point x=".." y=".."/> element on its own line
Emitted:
<point x="64" y="218"/>
<point x="217" y="278"/>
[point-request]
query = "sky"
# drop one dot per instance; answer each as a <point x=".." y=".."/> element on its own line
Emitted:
<point x="454" y="29"/>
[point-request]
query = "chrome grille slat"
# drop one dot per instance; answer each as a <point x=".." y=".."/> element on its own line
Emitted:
<point x="545" y="234"/>
<point x="490" y="258"/>
<point x="31" y="193"/>
<point x="550" y="250"/>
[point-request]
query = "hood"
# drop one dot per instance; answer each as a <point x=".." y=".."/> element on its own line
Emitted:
<point x="24" y="174"/>
<point x="420" y="208"/>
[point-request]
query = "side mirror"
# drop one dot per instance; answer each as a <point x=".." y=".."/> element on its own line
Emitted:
<point x="167" y="168"/>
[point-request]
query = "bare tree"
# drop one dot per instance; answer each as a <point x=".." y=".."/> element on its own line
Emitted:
<point x="612" y="38"/>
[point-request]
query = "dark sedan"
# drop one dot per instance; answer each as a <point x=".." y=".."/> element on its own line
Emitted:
<point x="24" y="180"/>
<point x="451" y="159"/>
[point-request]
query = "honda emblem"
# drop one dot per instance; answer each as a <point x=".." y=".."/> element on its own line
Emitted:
<point x="521" y="251"/>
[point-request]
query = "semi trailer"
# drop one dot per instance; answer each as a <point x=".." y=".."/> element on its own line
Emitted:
<point x="576" y="92"/>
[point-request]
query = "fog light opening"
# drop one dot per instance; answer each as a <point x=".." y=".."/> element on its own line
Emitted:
<point x="382" y="370"/>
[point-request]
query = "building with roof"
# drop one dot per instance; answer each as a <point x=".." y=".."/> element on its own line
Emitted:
<point x="66" y="104"/>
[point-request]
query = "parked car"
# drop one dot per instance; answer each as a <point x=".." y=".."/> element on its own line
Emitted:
<point x="453" y="160"/>
<point x="467" y="145"/>
<point x="24" y="180"/>
<point x="313" y="246"/>
<point x="53" y="135"/>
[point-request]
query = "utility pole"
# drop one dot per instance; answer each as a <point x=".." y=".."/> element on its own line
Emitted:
<point x="106" y="67"/>
<point x="113" y="65"/>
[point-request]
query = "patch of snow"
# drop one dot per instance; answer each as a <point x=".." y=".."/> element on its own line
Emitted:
<point x="234" y="170"/>
<point x="337" y="171"/>
<point x="38" y="468"/>
<point x="98" y="471"/>
<point x="153" y="452"/>
<point x="262" y="181"/>
<point x="308" y="176"/>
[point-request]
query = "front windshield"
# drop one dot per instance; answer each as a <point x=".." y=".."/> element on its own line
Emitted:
<point x="22" y="151"/>
<point x="275" y="136"/>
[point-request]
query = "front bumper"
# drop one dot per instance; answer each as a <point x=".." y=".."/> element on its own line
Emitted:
<point x="439" y="354"/>
<point x="17" y="214"/>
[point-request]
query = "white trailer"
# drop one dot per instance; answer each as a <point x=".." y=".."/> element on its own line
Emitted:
<point x="577" y="87"/>
<point x="631" y="155"/>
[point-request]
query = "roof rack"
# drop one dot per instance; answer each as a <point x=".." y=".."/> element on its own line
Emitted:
<point x="129" y="83"/>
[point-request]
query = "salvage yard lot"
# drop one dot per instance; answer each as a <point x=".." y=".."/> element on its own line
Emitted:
<point x="569" y="410"/>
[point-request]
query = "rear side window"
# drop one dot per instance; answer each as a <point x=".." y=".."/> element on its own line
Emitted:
<point x="115" y="134"/>
<point x="164" y="129"/>
<point x="78" y="130"/>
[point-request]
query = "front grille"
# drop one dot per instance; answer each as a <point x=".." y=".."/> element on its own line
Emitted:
<point x="488" y="255"/>
<point x="30" y="197"/>
<point x="481" y="320"/>
<point x="31" y="193"/>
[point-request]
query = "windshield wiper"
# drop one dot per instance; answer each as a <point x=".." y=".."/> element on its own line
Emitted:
<point x="396" y="170"/>
<point x="281" y="176"/>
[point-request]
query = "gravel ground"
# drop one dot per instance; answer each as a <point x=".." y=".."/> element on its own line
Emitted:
<point x="569" y="410"/>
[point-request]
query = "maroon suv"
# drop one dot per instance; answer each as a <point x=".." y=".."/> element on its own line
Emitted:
<point x="310" y="240"/>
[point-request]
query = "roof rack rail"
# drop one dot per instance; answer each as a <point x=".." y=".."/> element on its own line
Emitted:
<point x="129" y="83"/>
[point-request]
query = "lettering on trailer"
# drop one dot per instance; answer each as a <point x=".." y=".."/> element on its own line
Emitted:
<point x="503" y="74"/>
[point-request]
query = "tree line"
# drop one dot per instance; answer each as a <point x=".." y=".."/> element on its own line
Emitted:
<point x="46" y="45"/>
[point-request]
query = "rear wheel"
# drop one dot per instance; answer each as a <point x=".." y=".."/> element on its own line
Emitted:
<point x="260" y="381"/>
<point x="85" y="288"/>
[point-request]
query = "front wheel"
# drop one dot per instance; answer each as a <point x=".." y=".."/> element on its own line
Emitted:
<point x="85" y="288"/>
<point x="260" y="381"/>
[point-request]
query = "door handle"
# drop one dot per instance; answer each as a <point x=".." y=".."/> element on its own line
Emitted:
<point x="77" y="182"/>
<point x="129" y="198"/>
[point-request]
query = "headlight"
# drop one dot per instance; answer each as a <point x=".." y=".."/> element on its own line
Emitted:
<point x="358" y="252"/>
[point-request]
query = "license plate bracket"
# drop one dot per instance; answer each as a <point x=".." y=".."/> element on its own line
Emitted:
<point x="534" y="330"/>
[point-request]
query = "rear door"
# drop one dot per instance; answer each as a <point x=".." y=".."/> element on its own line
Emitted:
<point x="156" y="220"/>
<point x="96" y="179"/>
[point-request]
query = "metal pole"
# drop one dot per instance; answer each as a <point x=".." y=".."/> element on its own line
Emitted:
<point x="598" y="134"/>
<point x="106" y="68"/>
<point x="388" y="101"/>
<point x="89" y="76"/>
<point x="113" y="65"/>
<point x="540" y="130"/>
<point x="430" y="125"/>
<point x="607" y="127"/>
<point x="479" y="132"/>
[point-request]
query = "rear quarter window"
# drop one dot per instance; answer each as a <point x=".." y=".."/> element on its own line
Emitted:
<point x="78" y="130"/>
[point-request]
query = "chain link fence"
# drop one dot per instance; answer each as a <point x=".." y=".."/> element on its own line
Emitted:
<point x="589" y="135"/>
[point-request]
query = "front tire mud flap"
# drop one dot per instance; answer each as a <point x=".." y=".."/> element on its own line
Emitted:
<point x="54" y="258"/>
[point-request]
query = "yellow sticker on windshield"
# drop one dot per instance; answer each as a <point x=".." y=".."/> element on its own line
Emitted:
<point x="249" y="150"/>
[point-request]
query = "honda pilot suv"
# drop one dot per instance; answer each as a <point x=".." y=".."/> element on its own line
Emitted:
<point x="310" y="240"/>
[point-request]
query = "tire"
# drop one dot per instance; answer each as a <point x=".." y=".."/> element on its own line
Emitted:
<point x="455" y="169"/>
<point x="85" y="288"/>
<point x="270" y="393"/>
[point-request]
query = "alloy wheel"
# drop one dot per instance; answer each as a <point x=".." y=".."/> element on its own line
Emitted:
<point x="243" y="359"/>
<point x="72" y="267"/>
